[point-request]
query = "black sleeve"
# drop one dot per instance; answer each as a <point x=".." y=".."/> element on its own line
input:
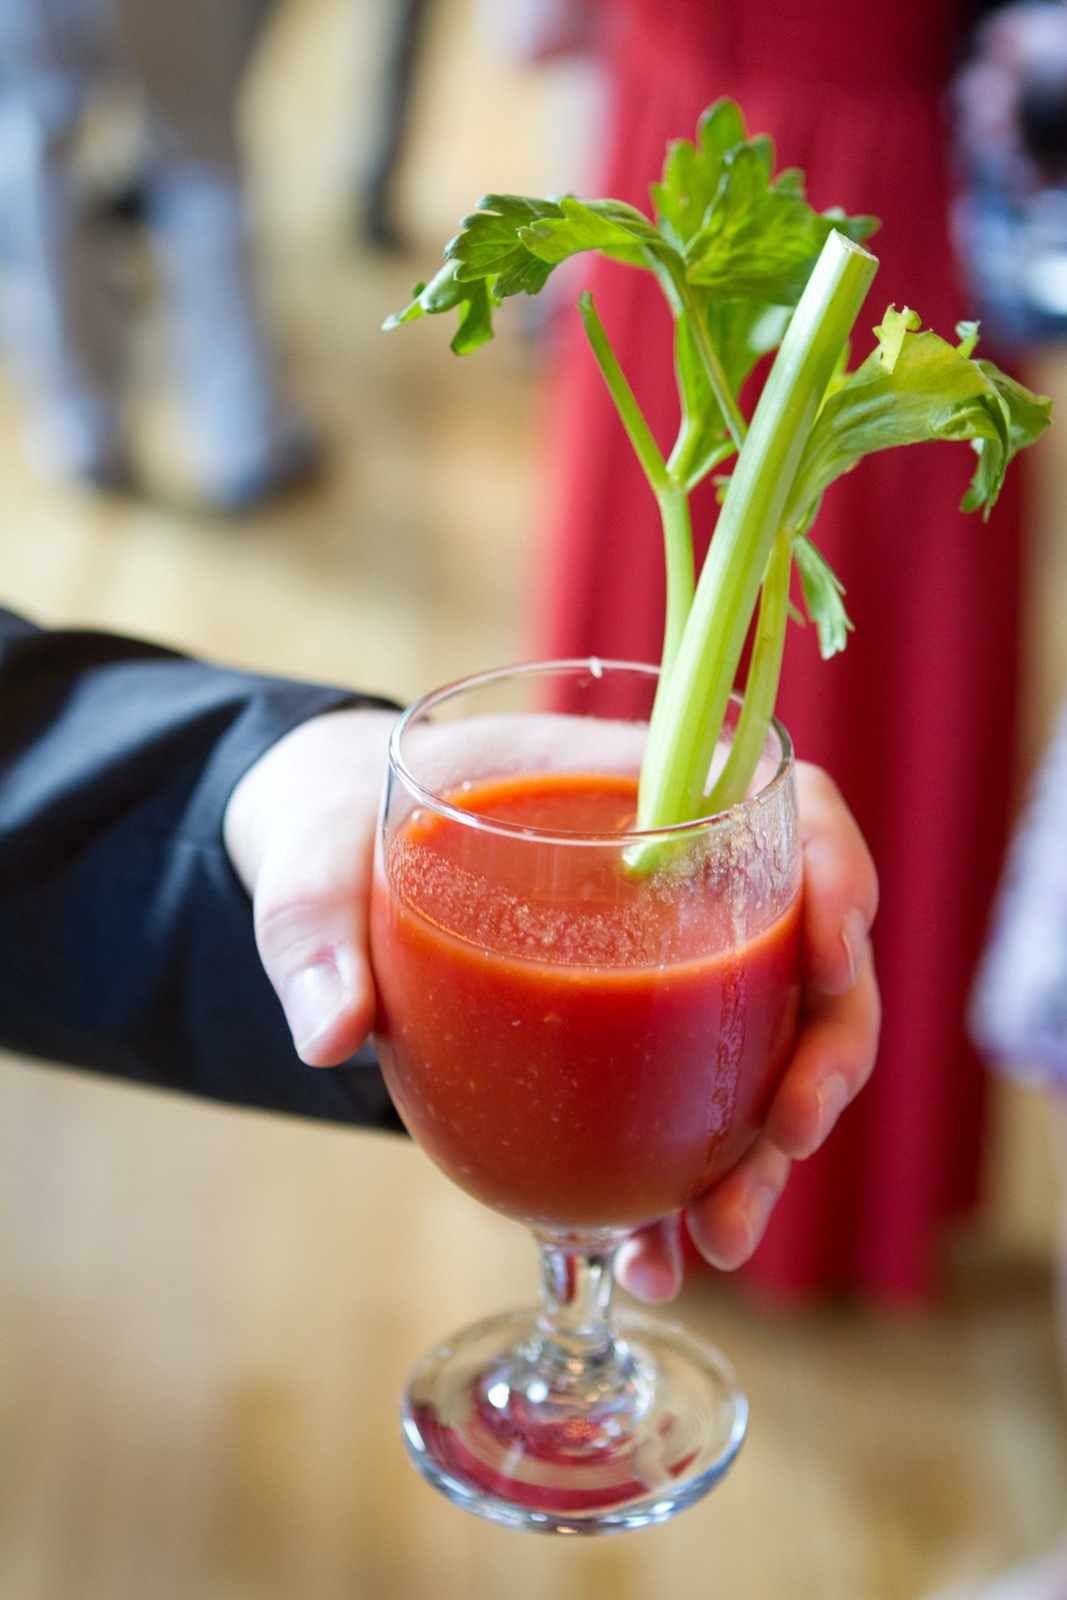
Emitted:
<point x="126" y="939"/>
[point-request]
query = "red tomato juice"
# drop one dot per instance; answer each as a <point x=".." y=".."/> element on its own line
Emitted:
<point x="575" y="1045"/>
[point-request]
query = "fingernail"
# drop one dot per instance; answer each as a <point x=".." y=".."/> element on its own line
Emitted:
<point x="853" y="937"/>
<point x="312" y="1000"/>
<point x="833" y="1098"/>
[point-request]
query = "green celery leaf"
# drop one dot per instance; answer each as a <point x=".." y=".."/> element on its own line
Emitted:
<point x="411" y="312"/>
<point x="891" y="331"/>
<point x="855" y="228"/>
<point x="491" y="247"/>
<point x="791" y="181"/>
<point x="823" y="590"/>
<point x="703" y="441"/>
<point x="692" y="173"/>
<point x="611" y="227"/>
<point x="742" y="331"/>
<point x="518" y="209"/>
<point x="761" y="241"/>
<point x="1029" y="414"/>
<point x="511" y="244"/>
<point x="839" y="374"/>
<point x="1028" y="417"/>
<point x="763" y="145"/>
<point x="967" y="334"/>
<point x="474" y="302"/>
<point x="914" y="387"/>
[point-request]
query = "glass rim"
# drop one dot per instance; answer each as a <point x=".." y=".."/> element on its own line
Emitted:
<point x="596" y="666"/>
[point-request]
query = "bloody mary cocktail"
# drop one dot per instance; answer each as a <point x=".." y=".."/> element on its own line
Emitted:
<point x="575" y="1044"/>
<point x="583" y="1024"/>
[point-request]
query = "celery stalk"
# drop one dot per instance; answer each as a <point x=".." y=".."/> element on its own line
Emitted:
<point x="678" y="547"/>
<point x="761" y="685"/>
<point x="664" y="482"/>
<point x="745" y="264"/>
<point x="640" y="435"/>
<point x="690" y="709"/>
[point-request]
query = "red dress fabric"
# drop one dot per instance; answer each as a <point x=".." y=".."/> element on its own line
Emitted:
<point x="915" y="720"/>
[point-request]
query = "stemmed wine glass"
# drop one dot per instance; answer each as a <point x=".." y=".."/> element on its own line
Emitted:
<point x="583" y="1026"/>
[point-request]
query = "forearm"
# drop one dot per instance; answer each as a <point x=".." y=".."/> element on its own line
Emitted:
<point x="126" y="939"/>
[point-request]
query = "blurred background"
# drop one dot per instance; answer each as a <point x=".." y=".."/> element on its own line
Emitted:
<point x="206" y="1316"/>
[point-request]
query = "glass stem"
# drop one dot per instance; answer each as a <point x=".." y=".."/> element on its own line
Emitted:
<point x="577" y="1280"/>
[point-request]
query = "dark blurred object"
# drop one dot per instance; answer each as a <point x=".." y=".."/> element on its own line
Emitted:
<point x="1043" y="126"/>
<point x="128" y="204"/>
<point x="525" y="31"/>
<point x="378" y="220"/>
<point x="1010" y="122"/>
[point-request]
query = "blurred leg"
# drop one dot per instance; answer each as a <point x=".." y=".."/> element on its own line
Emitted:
<point x="190" y="60"/>
<point x="62" y="311"/>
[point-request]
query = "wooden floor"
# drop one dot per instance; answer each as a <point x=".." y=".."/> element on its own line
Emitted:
<point x="206" y="1316"/>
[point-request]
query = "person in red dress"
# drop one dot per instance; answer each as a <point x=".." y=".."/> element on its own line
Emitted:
<point x="915" y="720"/>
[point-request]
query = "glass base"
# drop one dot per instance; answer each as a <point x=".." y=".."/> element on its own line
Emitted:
<point x="506" y="1425"/>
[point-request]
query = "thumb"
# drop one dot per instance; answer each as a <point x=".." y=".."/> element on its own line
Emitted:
<point x="312" y="939"/>
<point x="300" y="832"/>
